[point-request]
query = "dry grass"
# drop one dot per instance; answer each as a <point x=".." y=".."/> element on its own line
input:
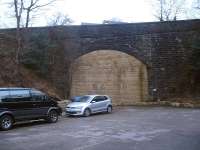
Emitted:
<point x="11" y="77"/>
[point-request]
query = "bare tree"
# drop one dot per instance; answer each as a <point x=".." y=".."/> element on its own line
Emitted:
<point x="194" y="12"/>
<point x="197" y="4"/>
<point x="25" y="8"/>
<point x="32" y="6"/>
<point x="18" y="9"/>
<point x="59" y="19"/>
<point x="167" y="10"/>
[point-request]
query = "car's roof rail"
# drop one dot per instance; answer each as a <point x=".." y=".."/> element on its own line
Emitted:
<point x="13" y="88"/>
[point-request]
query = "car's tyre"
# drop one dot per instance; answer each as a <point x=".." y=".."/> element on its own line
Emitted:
<point x="87" y="112"/>
<point x="52" y="116"/>
<point x="109" y="109"/>
<point x="6" y="122"/>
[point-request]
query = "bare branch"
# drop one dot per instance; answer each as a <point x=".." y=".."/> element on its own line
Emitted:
<point x="33" y="6"/>
<point x="167" y="10"/>
<point x="59" y="19"/>
<point x="198" y="4"/>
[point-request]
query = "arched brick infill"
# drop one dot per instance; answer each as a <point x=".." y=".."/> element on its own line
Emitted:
<point x="110" y="72"/>
<point x="164" y="47"/>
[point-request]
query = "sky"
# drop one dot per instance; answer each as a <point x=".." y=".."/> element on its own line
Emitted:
<point x="98" y="10"/>
<point x="90" y="11"/>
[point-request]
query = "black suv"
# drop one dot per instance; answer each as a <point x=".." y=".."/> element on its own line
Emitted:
<point x="17" y="104"/>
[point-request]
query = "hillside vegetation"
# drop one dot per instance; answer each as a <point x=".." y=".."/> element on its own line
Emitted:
<point x="10" y="77"/>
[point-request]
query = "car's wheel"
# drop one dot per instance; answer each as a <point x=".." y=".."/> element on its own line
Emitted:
<point x="109" y="109"/>
<point x="87" y="112"/>
<point x="6" y="122"/>
<point x="52" y="116"/>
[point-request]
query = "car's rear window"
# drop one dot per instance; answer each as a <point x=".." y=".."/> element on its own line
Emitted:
<point x="3" y="94"/>
<point x="14" y="95"/>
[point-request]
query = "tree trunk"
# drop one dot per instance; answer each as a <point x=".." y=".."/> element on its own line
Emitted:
<point x="27" y="18"/>
<point x="161" y="10"/>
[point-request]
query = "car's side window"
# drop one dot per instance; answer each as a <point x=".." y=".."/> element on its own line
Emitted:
<point x="19" y="96"/>
<point x="95" y="99"/>
<point x="105" y="97"/>
<point x="99" y="98"/>
<point x="37" y="96"/>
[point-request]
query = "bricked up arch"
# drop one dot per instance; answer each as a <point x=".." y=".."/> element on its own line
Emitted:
<point x="110" y="72"/>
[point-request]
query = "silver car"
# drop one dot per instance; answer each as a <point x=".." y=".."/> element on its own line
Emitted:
<point x="89" y="104"/>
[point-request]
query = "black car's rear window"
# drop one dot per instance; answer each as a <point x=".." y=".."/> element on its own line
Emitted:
<point x="14" y="95"/>
<point x="3" y="94"/>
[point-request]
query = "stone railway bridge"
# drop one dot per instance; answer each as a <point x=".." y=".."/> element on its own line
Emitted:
<point x="130" y="62"/>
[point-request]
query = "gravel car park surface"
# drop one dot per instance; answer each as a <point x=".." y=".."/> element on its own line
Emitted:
<point x="128" y="128"/>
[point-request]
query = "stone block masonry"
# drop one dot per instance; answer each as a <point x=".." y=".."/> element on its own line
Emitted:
<point x="113" y="73"/>
<point x="162" y="49"/>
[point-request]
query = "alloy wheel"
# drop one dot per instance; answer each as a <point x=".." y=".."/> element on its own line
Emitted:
<point x="6" y="122"/>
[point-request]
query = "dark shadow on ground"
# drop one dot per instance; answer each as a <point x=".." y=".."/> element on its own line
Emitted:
<point x="29" y="123"/>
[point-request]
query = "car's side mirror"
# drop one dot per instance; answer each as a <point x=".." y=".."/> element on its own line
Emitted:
<point x="93" y="101"/>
